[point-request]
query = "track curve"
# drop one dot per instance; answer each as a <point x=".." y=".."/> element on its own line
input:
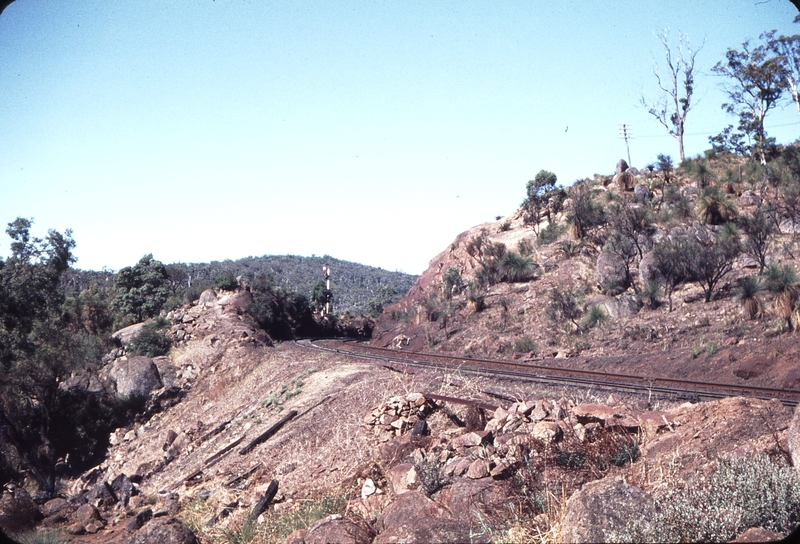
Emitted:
<point x="688" y="389"/>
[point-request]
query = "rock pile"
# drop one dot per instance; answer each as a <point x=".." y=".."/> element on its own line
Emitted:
<point x="399" y="414"/>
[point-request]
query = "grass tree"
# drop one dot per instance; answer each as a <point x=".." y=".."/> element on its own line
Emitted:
<point x="715" y="207"/>
<point x="747" y="290"/>
<point x="783" y="281"/>
<point x="515" y="267"/>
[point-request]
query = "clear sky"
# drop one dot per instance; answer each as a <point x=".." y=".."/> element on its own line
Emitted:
<point x="372" y="131"/>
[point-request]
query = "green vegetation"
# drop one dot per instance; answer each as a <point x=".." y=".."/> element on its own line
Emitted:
<point x="45" y="339"/>
<point x="150" y="343"/>
<point x="747" y="290"/>
<point x="744" y="492"/>
<point x="525" y="344"/>
<point x="279" y="526"/>
<point x="140" y="291"/>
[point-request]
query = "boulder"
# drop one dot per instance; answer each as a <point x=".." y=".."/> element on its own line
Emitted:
<point x="601" y="507"/>
<point x="625" y="305"/>
<point x="135" y="377"/>
<point x="407" y="508"/>
<point x="474" y="438"/>
<point x="426" y="530"/>
<point x="759" y="534"/>
<point x="125" y="335"/>
<point x="611" y="271"/>
<point x="479" y="468"/>
<point x="593" y="413"/>
<point x="621" y="166"/>
<point x="166" y="530"/>
<point x="471" y="501"/>
<point x="18" y="512"/>
<point x="335" y="529"/>
<point x="402" y="478"/>
<point x="547" y="431"/>
<point x="236" y="302"/>
<point x="647" y="269"/>
<point x="56" y="511"/>
<point x="209" y="296"/>
<point x="641" y="193"/>
<point x="122" y="487"/>
<point x="749" y="198"/>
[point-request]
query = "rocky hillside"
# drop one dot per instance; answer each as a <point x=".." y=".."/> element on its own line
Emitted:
<point x="241" y="441"/>
<point x="589" y="286"/>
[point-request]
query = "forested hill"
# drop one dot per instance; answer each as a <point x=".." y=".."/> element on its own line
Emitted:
<point x="353" y="284"/>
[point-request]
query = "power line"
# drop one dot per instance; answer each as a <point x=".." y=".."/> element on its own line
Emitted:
<point x="710" y="133"/>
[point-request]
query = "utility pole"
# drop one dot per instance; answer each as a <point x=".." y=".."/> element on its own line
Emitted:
<point x="626" y="133"/>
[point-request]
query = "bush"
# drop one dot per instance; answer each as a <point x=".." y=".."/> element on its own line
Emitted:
<point x="550" y="234"/>
<point x="744" y="492"/>
<point x="226" y="281"/>
<point x="278" y="527"/>
<point x="515" y="267"/>
<point x="150" y="343"/>
<point x="594" y="317"/>
<point x="525" y="345"/>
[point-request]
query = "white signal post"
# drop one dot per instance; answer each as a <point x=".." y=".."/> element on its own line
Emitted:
<point x="326" y="273"/>
<point x="626" y="133"/>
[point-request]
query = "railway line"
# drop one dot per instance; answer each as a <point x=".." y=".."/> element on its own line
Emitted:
<point x="530" y="371"/>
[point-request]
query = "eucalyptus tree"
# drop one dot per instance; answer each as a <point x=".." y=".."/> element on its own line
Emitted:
<point x="756" y="85"/>
<point x="677" y="87"/>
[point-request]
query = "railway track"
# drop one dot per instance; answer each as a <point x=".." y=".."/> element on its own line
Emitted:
<point x="676" y="388"/>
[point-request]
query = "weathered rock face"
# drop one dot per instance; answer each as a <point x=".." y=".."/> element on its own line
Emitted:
<point x="603" y="506"/>
<point x="412" y="517"/>
<point x="611" y="270"/>
<point x="126" y="335"/>
<point x="135" y="377"/>
<point x="335" y="529"/>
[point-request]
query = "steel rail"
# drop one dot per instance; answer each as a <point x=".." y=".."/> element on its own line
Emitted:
<point x="540" y="373"/>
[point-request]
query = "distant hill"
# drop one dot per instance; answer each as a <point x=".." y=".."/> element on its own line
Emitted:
<point x="352" y="284"/>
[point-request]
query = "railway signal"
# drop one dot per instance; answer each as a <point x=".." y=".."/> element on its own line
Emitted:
<point x="326" y="273"/>
<point x="626" y="133"/>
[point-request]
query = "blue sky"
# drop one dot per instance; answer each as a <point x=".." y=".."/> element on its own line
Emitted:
<point x="371" y="131"/>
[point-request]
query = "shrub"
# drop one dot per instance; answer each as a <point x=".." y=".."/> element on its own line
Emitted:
<point x="714" y="207"/>
<point x="782" y="279"/>
<point x="515" y="267"/>
<point x="747" y="290"/>
<point x="562" y="307"/>
<point x="550" y="234"/>
<point x="524" y="345"/>
<point x="431" y="474"/>
<point x="226" y="281"/>
<point x="452" y="281"/>
<point x="525" y="247"/>
<point x="649" y="293"/>
<point x="744" y="492"/>
<point x="477" y="297"/>
<point x="278" y="527"/>
<point x="584" y="214"/>
<point x="505" y="226"/>
<point x="594" y="317"/>
<point x="150" y="343"/>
